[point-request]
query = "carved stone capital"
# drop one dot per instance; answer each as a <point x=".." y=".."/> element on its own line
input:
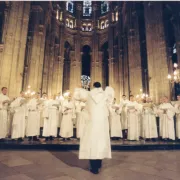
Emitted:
<point x="41" y="29"/>
<point x="1" y="47"/>
<point x="79" y="7"/>
<point x="94" y="7"/>
<point x="36" y="8"/>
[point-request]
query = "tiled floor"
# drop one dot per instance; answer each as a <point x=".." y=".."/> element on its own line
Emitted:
<point x="46" y="165"/>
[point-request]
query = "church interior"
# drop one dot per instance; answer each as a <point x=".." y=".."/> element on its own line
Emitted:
<point x="53" y="47"/>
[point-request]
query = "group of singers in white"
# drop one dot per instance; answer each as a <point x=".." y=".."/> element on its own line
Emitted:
<point x="130" y="119"/>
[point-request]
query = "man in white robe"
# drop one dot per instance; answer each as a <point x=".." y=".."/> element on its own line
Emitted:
<point x="149" y="122"/>
<point x="95" y="142"/>
<point x="68" y="110"/>
<point x="19" y="108"/>
<point x="115" y="122"/>
<point x="4" y="104"/>
<point x="167" y="112"/>
<point x="51" y="115"/>
<point x="41" y="106"/>
<point x="123" y="106"/>
<point x="33" y="121"/>
<point x="177" y="106"/>
<point x="133" y="119"/>
<point x="60" y="98"/>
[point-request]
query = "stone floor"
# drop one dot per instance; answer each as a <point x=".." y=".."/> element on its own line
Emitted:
<point x="54" y="165"/>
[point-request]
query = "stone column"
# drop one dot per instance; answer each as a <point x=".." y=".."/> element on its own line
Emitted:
<point x="77" y="54"/>
<point x="125" y="65"/>
<point x="113" y="57"/>
<point x="120" y="51"/>
<point x="73" y="72"/>
<point x="95" y="41"/>
<point x="134" y="53"/>
<point x="14" y="37"/>
<point x="38" y="46"/>
<point x="156" y="50"/>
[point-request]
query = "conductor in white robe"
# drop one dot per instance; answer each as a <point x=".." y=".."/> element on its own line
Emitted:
<point x="95" y="142"/>
<point x="4" y="104"/>
<point x="19" y="108"/>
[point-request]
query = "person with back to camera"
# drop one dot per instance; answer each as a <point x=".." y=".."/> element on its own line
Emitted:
<point x="95" y="141"/>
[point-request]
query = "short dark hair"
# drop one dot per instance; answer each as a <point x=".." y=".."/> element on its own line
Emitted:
<point x="123" y="95"/>
<point x="3" y="88"/>
<point x="131" y="96"/>
<point x="97" y="85"/>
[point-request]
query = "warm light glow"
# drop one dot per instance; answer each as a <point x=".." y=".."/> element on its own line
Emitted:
<point x="61" y="98"/>
<point x="175" y="77"/>
<point x="175" y="65"/>
<point x="57" y="15"/>
<point x="137" y="96"/>
<point x="66" y="94"/>
<point x="169" y="76"/>
<point x="140" y="90"/>
<point x="175" y="72"/>
<point x="29" y="87"/>
<point x="146" y="95"/>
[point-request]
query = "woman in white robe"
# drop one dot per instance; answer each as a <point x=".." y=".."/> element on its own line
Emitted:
<point x="115" y="123"/>
<point x="51" y="115"/>
<point x="149" y="122"/>
<point x="19" y="119"/>
<point x="68" y="111"/>
<point x="167" y="112"/>
<point x="33" y="121"/>
<point x="133" y="119"/>
<point x="4" y="103"/>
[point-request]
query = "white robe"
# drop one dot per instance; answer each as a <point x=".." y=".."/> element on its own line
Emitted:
<point x="3" y="116"/>
<point x="95" y="142"/>
<point x="50" y="114"/>
<point x="177" y="120"/>
<point x="81" y="119"/>
<point x="133" y="121"/>
<point x="115" y="123"/>
<point x="33" y="121"/>
<point x="19" y="118"/>
<point x="149" y="123"/>
<point x="66" y="130"/>
<point x="167" y="121"/>
<point x="140" y="121"/>
<point x="123" y="106"/>
<point x="160" y="122"/>
<point x="60" y="100"/>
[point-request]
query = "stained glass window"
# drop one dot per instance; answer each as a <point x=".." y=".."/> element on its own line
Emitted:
<point x="70" y="6"/>
<point x="174" y="49"/>
<point x="87" y="8"/>
<point x="104" y="7"/>
<point x="85" y="81"/>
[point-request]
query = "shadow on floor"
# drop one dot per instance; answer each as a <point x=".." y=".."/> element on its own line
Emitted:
<point x="71" y="159"/>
